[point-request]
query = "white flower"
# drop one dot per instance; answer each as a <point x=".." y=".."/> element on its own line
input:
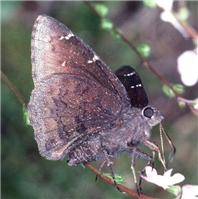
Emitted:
<point x="167" y="16"/>
<point x="166" y="5"/>
<point x="187" y="65"/>
<point x="165" y="180"/>
<point x="189" y="191"/>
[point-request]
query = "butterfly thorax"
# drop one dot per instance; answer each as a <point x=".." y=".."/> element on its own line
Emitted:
<point x="131" y="130"/>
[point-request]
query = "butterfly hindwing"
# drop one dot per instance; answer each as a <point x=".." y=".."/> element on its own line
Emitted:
<point x="133" y="85"/>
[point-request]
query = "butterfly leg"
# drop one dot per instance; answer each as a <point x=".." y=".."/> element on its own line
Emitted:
<point x="133" y="170"/>
<point x="109" y="163"/>
<point x="153" y="146"/>
<point x="137" y="153"/>
<point x="150" y="162"/>
<point x="101" y="166"/>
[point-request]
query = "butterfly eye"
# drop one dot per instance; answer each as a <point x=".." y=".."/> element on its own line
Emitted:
<point x="148" y="112"/>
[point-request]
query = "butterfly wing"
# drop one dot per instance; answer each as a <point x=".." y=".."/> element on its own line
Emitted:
<point x="133" y="85"/>
<point x="76" y="95"/>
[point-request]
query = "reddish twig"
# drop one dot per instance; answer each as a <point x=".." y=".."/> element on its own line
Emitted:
<point x="136" y="51"/>
<point x="190" y="30"/>
<point x="108" y="180"/>
<point x="148" y="65"/>
<point x="14" y="89"/>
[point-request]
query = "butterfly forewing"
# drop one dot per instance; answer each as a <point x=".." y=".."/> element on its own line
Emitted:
<point x="56" y="49"/>
<point x="75" y="93"/>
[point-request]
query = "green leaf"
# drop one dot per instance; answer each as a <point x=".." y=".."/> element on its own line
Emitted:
<point x="179" y="88"/>
<point x="83" y="165"/>
<point x="118" y="178"/>
<point x="181" y="104"/>
<point x="183" y="13"/>
<point x="194" y="107"/>
<point x="168" y="91"/>
<point x="116" y="34"/>
<point x="106" y="24"/>
<point x="144" y="50"/>
<point x="101" y="9"/>
<point x="26" y="116"/>
<point x="175" y="190"/>
<point x="150" y="3"/>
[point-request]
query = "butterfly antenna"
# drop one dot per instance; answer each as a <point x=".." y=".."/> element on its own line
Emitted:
<point x="173" y="149"/>
<point x="162" y="144"/>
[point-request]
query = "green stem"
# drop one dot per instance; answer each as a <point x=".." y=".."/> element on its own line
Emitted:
<point x="14" y="89"/>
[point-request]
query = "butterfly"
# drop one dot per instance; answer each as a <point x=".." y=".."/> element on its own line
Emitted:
<point x="79" y="108"/>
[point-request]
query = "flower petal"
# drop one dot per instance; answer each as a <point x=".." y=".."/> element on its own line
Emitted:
<point x="167" y="16"/>
<point x="187" y="65"/>
<point x="189" y="191"/>
<point x="168" y="173"/>
<point x="177" y="178"/>
<point x="163" y="181"/>
<point x="166" y="5"/>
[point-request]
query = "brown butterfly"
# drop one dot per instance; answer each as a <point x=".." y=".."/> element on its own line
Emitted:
<point x="79" y="108"/>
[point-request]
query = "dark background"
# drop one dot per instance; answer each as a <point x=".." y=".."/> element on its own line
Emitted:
<point x="25" y="174"/>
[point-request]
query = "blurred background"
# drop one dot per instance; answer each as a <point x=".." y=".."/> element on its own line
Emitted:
<point x="24" y="173"/>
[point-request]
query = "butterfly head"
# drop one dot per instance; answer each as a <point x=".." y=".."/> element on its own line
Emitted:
<point x="152" y="115"/>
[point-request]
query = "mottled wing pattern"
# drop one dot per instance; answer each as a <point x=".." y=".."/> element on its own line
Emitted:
<point x="134" y="87"/>
<point x="76" y="95"/>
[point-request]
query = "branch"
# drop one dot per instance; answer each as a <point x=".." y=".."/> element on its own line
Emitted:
<point x="14" y="89"/>
<point x="147" y="64"/>
<point x="108" y="180"/>
<point x="192" y="32"/>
